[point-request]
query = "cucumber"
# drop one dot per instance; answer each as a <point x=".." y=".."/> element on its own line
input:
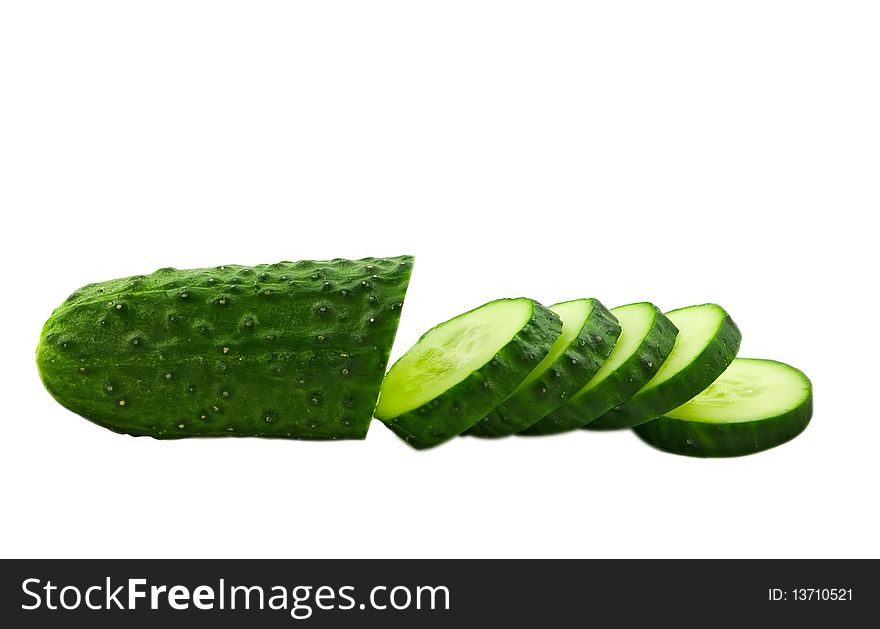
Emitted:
<point x="646" y="339"/>
<point x="294" y="349"/>
<point x="707" y="342"/>
<point x="589" y="333"/>
<point x="461" y="369"/>
<point x="754" y="405"/>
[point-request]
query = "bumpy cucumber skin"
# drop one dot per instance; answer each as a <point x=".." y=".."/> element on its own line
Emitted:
<point x="571" y="371"/>
<point x="725" y="440"/>
<point x="681" y="387"/>
<point x="460" y="407"/>
<point x="290" y="350"/>
<point x="619" y="386"/>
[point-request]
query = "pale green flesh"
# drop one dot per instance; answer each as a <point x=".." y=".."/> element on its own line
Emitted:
<point x="573" y="315"/>
<point x="697" y="326"/>
<point x="449" y="353"/>
<point x="749" y="390"/>
<point x="635" y="323"/>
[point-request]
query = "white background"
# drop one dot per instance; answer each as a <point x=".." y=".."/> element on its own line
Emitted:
<point x="678" y="152"/>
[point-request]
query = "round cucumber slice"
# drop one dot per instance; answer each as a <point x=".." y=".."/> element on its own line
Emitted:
<point x="646" y="339"/>
<point x="706" y="344"/>
<point x="461" y="369"/>
<point x="589" y="333"/>
<point x="754" y="405"/>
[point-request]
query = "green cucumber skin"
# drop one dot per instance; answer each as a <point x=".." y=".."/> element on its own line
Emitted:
<point x="618" y="387"/>
<point x="457" y="409"/>
<point x="706" y="440"/>
<point x="680" y="388"/>
<point x="567" y="375"/>
<point x="290" y="350"/>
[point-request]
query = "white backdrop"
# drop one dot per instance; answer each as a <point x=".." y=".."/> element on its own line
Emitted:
<point x="678" y="152"/>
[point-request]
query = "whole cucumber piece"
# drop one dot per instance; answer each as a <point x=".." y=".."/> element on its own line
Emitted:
<point x="294" y="349"/>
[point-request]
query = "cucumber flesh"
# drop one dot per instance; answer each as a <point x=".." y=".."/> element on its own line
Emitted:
<point x="707" y="343"/>
<point x="589" y="333"/>
<point x="461" y="369"/>
<point x="645" y="340"/>
<point x="449" y="353"/>
<point x="754" y="405"/>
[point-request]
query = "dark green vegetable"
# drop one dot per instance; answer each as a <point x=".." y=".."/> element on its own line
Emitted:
<point x="294" y="349"/>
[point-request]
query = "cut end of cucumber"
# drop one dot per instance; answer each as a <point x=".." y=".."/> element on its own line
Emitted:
<point x="573" y="315"/>
<point x="751" y="389"/>
<point x="697" y="327"/>
<point x="635" y="321"/>
<point x="449" y="353"/>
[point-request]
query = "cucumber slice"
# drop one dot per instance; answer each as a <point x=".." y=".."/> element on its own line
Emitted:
<point x="461" y="369"/>
<point x="646" y="339"/>
<point x="754" y="405"/>
<point x="589" y="333"/>
<point x="706" y="344"/>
